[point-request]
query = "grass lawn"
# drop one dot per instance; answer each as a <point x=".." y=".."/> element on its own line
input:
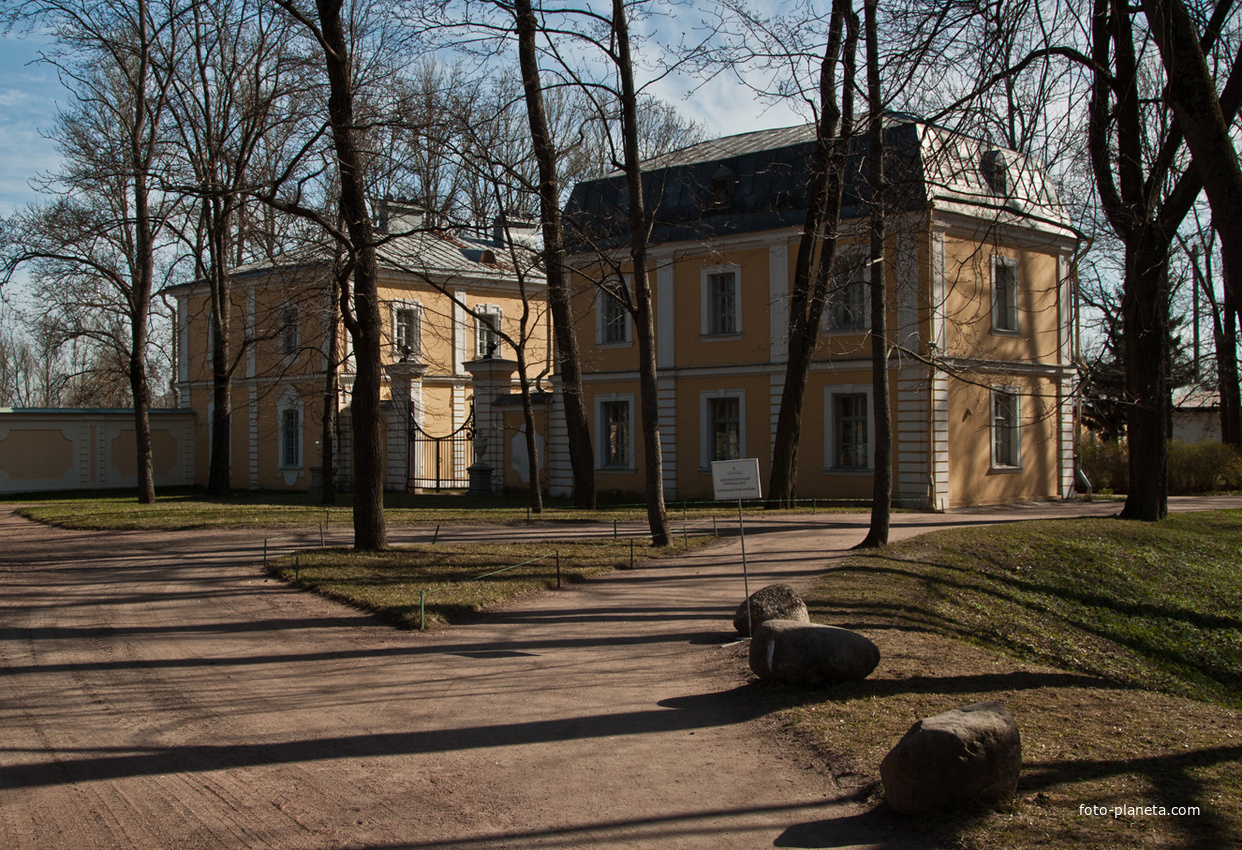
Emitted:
<point x="187" y="509"/>
<point x="1116" y="645"/>
<point x="456" y="582"/>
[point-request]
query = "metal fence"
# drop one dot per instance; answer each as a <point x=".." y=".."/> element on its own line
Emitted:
<point x="441" y="463"/>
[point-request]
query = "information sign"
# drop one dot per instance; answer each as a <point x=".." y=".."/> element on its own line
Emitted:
<point x="736" y="479"/>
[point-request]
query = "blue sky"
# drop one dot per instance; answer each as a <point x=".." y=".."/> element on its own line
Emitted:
<point x="29" y="95"/>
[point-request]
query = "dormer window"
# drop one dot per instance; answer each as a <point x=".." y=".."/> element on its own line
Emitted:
<point x="722" y="187"/>
<point x="995" y="167"/>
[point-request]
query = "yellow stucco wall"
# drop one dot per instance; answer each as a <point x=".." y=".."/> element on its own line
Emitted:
<point x="973" y="479"/>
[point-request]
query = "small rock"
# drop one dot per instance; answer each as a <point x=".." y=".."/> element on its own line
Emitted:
<point x="809" y="654"/>
<point x="774" y="602"/>
<point x="970" y="754"/>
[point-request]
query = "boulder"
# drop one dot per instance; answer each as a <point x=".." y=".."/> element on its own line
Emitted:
<point x="971" y="754"/>
<point x="774" y="602"/>
<point x="809" y="654"/>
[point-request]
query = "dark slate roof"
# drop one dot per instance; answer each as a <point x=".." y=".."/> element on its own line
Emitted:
<point x="767" y="173"/>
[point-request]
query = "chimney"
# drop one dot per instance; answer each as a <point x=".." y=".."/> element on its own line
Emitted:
<point x="521" y="230"/>
<point x="399" y="216"/>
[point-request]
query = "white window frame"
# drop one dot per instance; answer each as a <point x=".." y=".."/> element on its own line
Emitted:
<point x="397" y="308"/>
<point x="1015" y="429"/>
<point x="290" y="402"/>
<point x="601" y="431"/>
<point x="707" y="325"/>
<point x="1005" y="321"/>
<point x="831" y="434"/>
<point x="706" y="397"/>
<point x="603" y="302"/>
<point x="481" y="311"/>
<point x="858" y="269"/>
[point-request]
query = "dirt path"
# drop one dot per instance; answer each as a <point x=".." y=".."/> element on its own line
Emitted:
<point x="158" y="691"/>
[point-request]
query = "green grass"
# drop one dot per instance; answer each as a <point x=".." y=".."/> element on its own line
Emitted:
<point x="1149" y="605"/>
<point x="186" y="509"/>
<point x="458" y="581"/>
<point x="1151" y="613"/>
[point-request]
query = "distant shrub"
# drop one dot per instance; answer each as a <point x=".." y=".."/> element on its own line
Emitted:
<point x="1106" y="466"/>
<point x="1193" y="467"/>
<point x="1200" y="467"/>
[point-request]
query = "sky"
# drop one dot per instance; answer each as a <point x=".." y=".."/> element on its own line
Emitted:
<point x="29" y="95"/>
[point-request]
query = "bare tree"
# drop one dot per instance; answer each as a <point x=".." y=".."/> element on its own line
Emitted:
<point x="1134" y="155"/>
<point x="882" y="486"/>
<point x="234" y="105"/>
<point x="104" y="232"/>
<point x="582" y="459"/>
<point x="338" y="31"/>
<point x="831" y="102"/>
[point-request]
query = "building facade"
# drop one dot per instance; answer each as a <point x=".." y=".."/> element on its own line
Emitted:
<point x="977" y="267"/>
<point x="448" y="302"/>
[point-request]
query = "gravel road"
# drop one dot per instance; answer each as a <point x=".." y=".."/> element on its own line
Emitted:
<point x="158" y="691"/>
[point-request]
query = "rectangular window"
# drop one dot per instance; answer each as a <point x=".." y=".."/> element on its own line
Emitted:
<point x="405" y="333"/>
<point x="1004" y="294"/>
<point x="487" y="340"/>
<point x="290" y="437"/>
<point x="849" y="425"/>
<point x="614" y="324"/>
<point x="849" y="304"/>
<point x="616" y="435"/>
<point x="726" y="428"/>
<point x="289" y="340"/>
<point x="1006" y="429"/>
<point x="722" y="303"/>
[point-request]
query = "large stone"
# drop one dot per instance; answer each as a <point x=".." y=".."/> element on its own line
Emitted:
<point x="971" y="754"/>
<point x="809" y="654"/>
<point x="774" y="602"/>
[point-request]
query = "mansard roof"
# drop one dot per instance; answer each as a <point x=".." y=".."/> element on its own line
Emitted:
<point x="758" y="181"/>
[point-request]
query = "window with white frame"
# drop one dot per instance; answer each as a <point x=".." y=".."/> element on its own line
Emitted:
<point x="849" y="300"/>
<point x="487" y="324"/>
<point x="849" y="430"/>
<point x="722" y="431"/>
<point x="289" y="421"/>
<point x="849" y="424"/>
<point x="1004" y="294"/>
<point x="1006" y="428"/>
<point x="613" y="320"/>
<point x="721" y="301"/>
<point x="290" y="333"/>
<point x="406" y="330"/>
<point x="614" y="418"/>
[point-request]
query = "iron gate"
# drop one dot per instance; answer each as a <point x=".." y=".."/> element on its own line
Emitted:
<point x="441" y="463"/>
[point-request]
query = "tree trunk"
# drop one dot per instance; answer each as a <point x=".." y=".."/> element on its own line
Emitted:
<point x="218" y="475"/>
<point x="644" y="320"/>
<point x="331" y="399"/>
<point x="1145" y="314"/>
<point x="532" y="450"/>
<point x="882" y="485"/>
<point x="370" y="532"/>
<point x="1225" y="334"/>
<point x="807" y="296"/>
<point x="581" y="456"/>
<point x="143" y="270"/>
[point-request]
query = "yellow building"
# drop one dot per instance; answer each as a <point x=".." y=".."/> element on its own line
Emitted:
<point x="978" y="274"/>
<point x="453" y="305"/>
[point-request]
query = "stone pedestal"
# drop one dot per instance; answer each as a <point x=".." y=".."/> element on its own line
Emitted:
<point x="480" y="479"/>
<point x="491" y="377"/>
